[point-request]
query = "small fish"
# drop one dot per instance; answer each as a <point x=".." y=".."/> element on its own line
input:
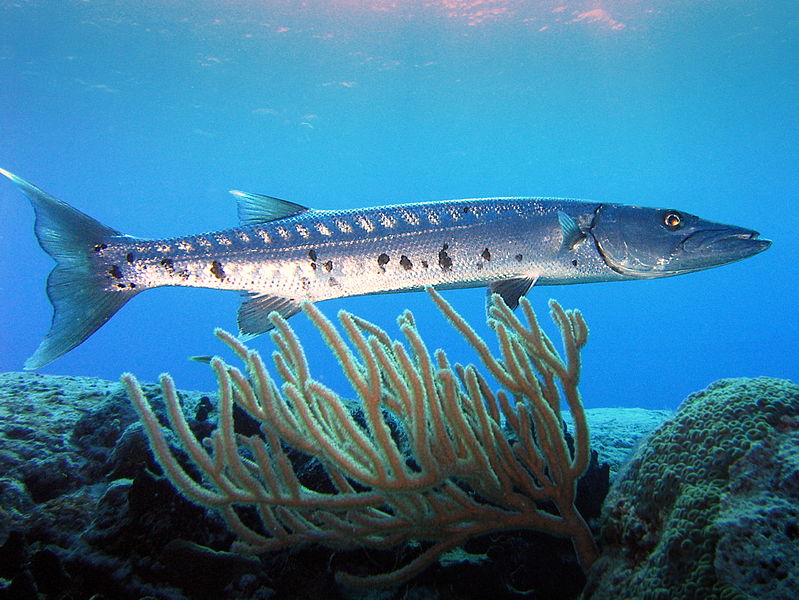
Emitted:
<point x="284" y="253"/>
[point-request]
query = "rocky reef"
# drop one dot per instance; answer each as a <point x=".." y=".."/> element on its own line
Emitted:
<point x="708" y="508"/>
<point x="84" y="512"/>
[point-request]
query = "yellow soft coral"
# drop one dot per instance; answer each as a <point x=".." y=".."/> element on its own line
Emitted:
<point x="434" y="454"/>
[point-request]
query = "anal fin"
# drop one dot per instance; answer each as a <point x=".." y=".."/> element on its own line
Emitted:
<point x="253" y="316"/>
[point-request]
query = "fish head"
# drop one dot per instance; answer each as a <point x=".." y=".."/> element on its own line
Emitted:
<point x="645" y="243"/>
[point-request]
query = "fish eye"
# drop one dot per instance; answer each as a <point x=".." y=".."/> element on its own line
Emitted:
<point x="672" y="220"/>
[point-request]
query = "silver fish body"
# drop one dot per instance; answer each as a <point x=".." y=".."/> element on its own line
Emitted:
<point x="284" y="254"/>
<point x="317" y="255"/>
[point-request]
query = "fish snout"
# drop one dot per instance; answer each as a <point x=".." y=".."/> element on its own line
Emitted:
<point x="727" y="244"/>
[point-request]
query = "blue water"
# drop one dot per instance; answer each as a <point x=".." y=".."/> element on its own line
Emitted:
<point x="144" y="114"/>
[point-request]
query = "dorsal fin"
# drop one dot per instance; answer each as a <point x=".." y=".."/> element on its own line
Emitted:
<point x="255" y="209"/>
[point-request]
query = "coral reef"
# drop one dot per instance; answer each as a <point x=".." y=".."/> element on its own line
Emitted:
<point x="118" y="531"/>
<point x="84" y="514"/>
<point x="430" y="454"/>
<point x="616" y="433"/>
<point x="708" y="508"/>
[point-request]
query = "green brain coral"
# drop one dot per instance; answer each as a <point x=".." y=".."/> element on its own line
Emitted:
<point x="682" y="517"/>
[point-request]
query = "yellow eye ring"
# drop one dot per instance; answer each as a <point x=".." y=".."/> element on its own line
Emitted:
<point x="672" y="220"/>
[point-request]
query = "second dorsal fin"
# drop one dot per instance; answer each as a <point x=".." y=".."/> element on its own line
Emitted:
<point x="255" y="209"/>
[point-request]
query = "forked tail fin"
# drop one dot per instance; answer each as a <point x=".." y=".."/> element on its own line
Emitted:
<point x="80" y="302"/>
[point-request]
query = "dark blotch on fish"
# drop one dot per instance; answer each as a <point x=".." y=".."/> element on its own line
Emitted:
<point x="424" y="264"/>
<point x="332" y="282"/>
<point x="217" y="270"/>
<point x="115" y="272"/>
<point x="312" y="254"/>
<point x="129" y="257"/>
<point x="486" y="255"/>
<point x="99" y="247"/>
<point x="465" y="209"/>
<point x="518" y="257"/>
<point x="406" y="263"/>
<point x="444" y="261"/>
<point x="167" y="264"/>
<point x="479" y="266"/>
<point x="328" y="266"/>
<point x="574" y="262"/>
<point x="382" y="260"/>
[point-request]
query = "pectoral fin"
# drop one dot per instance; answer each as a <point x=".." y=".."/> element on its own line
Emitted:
<point x="572" y="234"/>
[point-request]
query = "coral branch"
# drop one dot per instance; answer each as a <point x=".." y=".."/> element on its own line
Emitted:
<point x="482" y="461"/>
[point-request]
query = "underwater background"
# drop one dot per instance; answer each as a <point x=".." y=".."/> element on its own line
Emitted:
<point x="144" y="114"/>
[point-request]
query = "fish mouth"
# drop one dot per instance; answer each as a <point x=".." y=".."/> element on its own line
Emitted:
<point x="727" y="245"/>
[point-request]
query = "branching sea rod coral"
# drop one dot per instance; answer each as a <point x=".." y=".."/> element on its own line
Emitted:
<point x="432" y="453"/>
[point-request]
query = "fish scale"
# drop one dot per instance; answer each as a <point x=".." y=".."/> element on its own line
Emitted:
<point x="284" y="254"/>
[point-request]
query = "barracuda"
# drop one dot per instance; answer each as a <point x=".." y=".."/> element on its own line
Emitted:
<point x="284" y="253"/>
